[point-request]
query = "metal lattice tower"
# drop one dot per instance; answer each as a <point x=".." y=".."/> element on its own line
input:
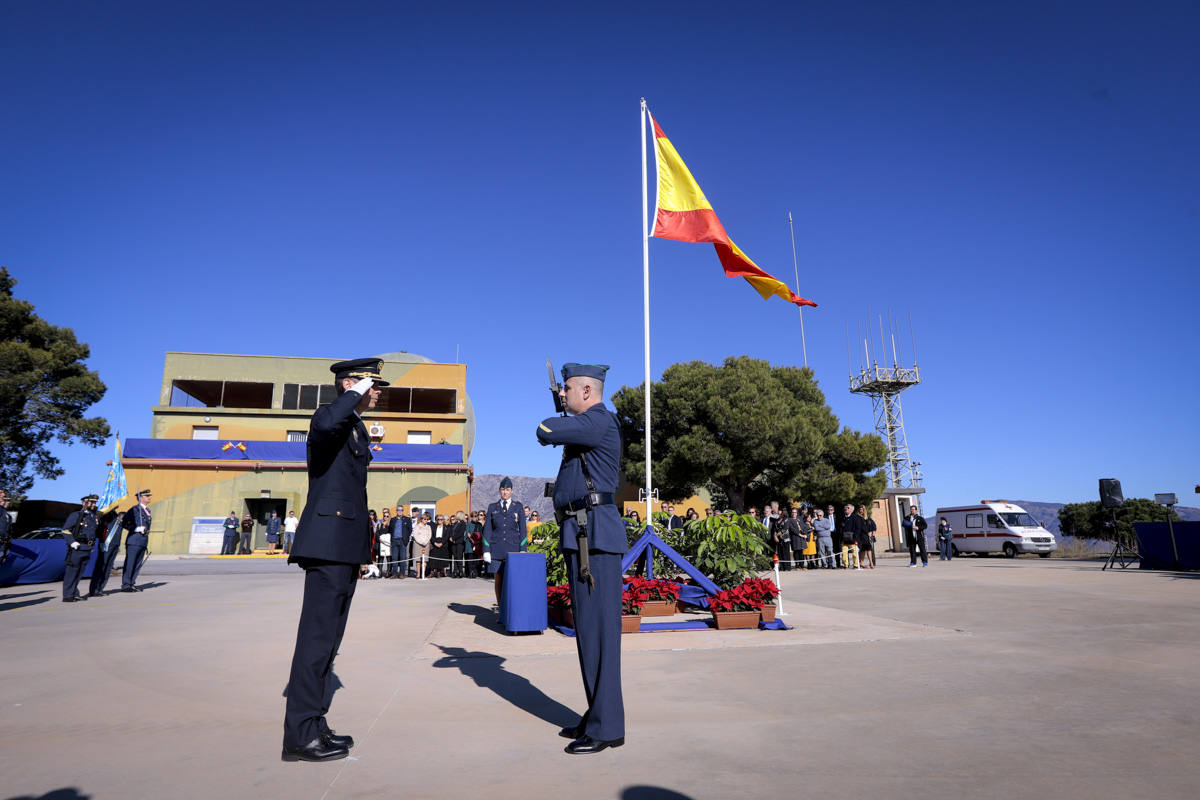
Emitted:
<point x="883" y="384"/>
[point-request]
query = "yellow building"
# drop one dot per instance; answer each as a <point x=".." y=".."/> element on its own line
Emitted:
<point x="229" y="433"/>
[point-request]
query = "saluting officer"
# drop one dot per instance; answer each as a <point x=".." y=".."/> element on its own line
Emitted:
<point x="504" y="532"/>
<point x="587" y="479"/>
<point x="80" y="533"/>
<point x="333" y="540"/>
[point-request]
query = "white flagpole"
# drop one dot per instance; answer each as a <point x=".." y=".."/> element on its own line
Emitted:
<point x="646" y="301"/>
<point x="796" y="269"/>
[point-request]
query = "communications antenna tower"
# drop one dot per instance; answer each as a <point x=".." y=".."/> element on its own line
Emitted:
<point x="883" y="384"/>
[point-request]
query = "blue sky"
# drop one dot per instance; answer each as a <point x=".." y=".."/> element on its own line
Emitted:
<point x="346" y="179"/>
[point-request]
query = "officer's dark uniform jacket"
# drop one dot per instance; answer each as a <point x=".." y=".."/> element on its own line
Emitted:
<point x="81" y="527"/>
<point x="504" y="533"/>
<point x="334" y="525"/>
<point x="595" y="433"/>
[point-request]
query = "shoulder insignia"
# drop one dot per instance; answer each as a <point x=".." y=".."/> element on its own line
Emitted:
<point x="543" y="427"/>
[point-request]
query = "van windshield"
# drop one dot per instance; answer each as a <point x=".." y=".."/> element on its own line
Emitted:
<point x="1021" y="520"/>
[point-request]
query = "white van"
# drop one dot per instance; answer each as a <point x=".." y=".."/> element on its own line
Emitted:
<point x="995" y="526"/>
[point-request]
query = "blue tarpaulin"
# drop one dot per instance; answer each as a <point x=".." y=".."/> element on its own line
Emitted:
<point x="39" y="561"/>
<point x="187" y="449"/>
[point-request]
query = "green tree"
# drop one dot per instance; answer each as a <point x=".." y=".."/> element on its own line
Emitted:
<point x="1091" y="521"/>
<point x="45" y="388"/>
<point x="748" y="432"/>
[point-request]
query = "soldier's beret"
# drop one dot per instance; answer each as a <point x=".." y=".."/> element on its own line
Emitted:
<point x="573" y="370"/>
<point x="506" y="483"/>
<point x="358" y="369"/>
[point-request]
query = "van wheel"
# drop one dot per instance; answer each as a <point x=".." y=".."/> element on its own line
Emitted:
<point x="954" y="551"/>
<point x="1010" y="550"/>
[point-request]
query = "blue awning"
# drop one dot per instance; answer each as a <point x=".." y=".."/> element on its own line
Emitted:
<point x="208" y="449"/>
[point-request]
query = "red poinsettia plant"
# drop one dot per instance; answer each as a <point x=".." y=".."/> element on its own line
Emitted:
<point x="632" y="599"/>
<point x="739" y="598"/>
<point x="653" y="589"/>
<point x="558" y="596"/>
<point x="762" y="588"/>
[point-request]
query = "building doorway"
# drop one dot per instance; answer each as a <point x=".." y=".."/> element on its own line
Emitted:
<point x="260" y="509"/>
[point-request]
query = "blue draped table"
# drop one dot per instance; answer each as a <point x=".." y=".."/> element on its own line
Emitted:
<point x="523" y="594"/>
<point x="39" y="561"/>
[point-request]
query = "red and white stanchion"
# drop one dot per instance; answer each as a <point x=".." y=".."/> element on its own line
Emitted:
<point x="779" y="612"/>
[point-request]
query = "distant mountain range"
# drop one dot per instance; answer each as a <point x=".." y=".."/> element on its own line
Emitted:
<point x="529" y="492"/>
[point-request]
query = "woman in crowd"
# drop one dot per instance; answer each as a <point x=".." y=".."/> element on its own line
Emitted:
<point x="371" y="570"/>
<point x="809" y="539"/>
<point x="866" y="539"/>
<point x="474" y="543"/>
<point x="458" y="544"/>
<point x="420" y="544"/>
<point x="691" y="515"/>
<point x="439" y="547"/>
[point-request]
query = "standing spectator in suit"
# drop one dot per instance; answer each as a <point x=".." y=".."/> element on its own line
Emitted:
<point x="138" y="525"/>
<point x="674" y="521"/>
<point x="401" y="537"/>
<point x="246" y="548"/>
<point x="458" y="544"/>
<point x="289" y="531"/>
<point x="230" y="538"/>
<point x="914" y="530"/>
<point x="866" y="541"/>
<point x="332" y="542"/>
<point x="274" y="524"/>
<point x="504" y="532"/>
<point x="109" y="542"/>
<point x="80" y="534"/>
<point x="790" y="540"/>
<point x="838" y="533"/>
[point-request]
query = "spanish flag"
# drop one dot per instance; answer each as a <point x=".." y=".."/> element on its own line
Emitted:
<point x="683" y="213"/>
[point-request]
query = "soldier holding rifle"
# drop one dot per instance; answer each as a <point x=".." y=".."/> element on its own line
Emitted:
<point x="593" y="540"/>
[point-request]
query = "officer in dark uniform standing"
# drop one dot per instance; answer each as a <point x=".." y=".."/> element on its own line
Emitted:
<point x="587" y="480"/>
<point x="108" y="539"/>
<point x="5" y="526"/>
<point x="137" y="522"/>
<point x="504" y="532"/>
<point x="333" y="541"/>
<point x="80" y="533"/>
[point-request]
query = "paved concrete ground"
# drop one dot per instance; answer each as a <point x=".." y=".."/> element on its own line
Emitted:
<point x="983" y="678"/>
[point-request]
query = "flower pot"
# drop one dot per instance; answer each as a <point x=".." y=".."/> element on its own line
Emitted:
<point x="768" y="613"/>
<point x="630" y="623"/>
<point x="658" y="608"/>
<point x="729" y="620"/>
<point x="566" y="618"/>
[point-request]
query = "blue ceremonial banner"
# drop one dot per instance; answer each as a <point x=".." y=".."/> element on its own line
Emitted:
<point x="114" y="487"/>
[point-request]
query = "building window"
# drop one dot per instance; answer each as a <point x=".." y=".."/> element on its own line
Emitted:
<point x="308" y="395"/>
<point x="204" y="431"/>
<point x="221" y="394"/>
<point x="297" y="436"/>
<point x="417" y="400"/>
<point x="420" y="437"/>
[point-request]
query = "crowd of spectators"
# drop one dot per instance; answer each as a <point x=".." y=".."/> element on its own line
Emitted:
<point x="418" y="544"/>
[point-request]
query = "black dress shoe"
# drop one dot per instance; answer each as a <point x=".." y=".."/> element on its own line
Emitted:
<point x="571" y="732"/>
<point x="316" y="750"/>
<point x="70" y="599"/>
<point x="333" y="740"/>
<point x="95" y="594"/>
<point x="129" y="589"/>
<point x="586" y="744"/>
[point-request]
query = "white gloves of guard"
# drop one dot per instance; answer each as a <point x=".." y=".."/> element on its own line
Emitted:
<point x="362" y="387"/>
<point x="74" y="545"/>
<point x="487" y="558"/>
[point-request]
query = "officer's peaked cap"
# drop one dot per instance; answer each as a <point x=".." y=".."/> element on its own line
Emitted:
<point x="87" y="497"/>
<point x="506" y="483"/>
<point x="573" y="370"/>
<point x="360" y="368"/>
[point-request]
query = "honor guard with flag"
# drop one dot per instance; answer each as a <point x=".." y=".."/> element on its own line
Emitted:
<point x="593" y="541"/>
<point x="332" y="542"/>
<point x="504" y="531"/>
<point x="80" y="534"/>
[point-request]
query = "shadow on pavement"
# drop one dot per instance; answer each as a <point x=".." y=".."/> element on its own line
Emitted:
<point x="22" y="594"/>
<point x="652" y="793"/>
<point x="69" y="793"/>
<point x="152" y="585"/>
<point x="23" y="603"/>
<point x="488" y="672"/>
<point x="484" y="617"/>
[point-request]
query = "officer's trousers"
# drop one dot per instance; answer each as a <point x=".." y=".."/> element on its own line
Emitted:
<point x="76" y="561"/>
<point x="328" y="590"/>
<point x="104" y="564"/>
<point x="229" y="543"/>
<point x="135" y="547"/>
<point x="597" y="614"/>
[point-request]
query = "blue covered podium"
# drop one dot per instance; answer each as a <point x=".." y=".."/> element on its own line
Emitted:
<point x="523" y="594"/>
